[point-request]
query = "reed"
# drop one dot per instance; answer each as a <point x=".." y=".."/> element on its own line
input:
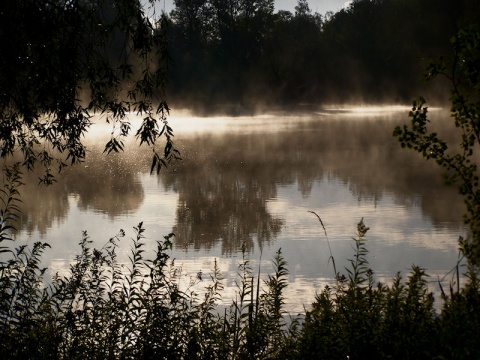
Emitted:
<point x="105" y="309"/>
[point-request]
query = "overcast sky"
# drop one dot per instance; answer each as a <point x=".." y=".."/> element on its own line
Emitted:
<point x="320" y="6"/>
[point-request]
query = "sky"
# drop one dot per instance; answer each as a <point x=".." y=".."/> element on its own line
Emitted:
<point x="320" y="6"/>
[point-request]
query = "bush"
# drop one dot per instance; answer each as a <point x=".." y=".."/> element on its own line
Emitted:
<point x="103" y="309"/>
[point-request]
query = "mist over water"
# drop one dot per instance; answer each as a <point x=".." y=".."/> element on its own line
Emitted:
<point x="252" y="180"/>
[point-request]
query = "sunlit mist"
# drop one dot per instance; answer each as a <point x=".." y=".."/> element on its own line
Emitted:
<point x="250" y="181"/>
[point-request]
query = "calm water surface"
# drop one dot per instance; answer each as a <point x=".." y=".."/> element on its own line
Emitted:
<point x="253" y="181"/>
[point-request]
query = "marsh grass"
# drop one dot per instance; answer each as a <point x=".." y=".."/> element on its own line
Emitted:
<point x="107" y="310"/>
<point x="360" y="319"/>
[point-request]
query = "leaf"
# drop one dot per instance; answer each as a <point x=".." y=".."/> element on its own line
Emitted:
<point x="154" y="162"/>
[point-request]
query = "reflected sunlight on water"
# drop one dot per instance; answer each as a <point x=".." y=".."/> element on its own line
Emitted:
<point x="252" y="180"/>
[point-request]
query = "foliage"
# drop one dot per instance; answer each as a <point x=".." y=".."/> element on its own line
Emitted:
<point x="260" y="58"/>
<point x="9" y="197"/>
<point x="359" y="319"/>
<point x="107" y="309"/>
<point x="460" y="162"/>
<point x="65" y="61"/>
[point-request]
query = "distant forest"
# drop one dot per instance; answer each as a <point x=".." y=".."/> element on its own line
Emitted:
<point x="241" y="55"/>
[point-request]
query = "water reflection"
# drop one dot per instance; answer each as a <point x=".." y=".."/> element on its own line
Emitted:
<point x="227" y="178"/>
<point x="41" y="208"/>
<point x="107" y="185"/>
<point x="252" y="181"/>
<point x="222" y="197"/>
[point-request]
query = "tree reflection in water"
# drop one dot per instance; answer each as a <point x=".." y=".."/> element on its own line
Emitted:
<point x="226" y="180"/>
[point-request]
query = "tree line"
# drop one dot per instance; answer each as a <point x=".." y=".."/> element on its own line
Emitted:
<point x="241" y="54"/>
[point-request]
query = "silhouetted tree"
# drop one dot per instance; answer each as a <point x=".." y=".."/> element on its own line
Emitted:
<point x="245" y="53"/>
<point x="463" y="70"/>
<point x="302" y="8"/>
<point x="63" y="61"/>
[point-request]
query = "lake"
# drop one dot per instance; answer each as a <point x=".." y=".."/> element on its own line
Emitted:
<point x="253" y="181"/>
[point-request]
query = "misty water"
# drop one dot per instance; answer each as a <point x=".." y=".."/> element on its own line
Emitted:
<point x="253" y="181"/>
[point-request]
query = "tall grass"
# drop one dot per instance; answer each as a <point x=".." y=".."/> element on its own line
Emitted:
<point x="104" y="309"/>
<point x="361" y="319"/>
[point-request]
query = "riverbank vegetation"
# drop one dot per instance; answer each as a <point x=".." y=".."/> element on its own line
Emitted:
<point x="139" y="310"/>
<point x="242" y="56"/>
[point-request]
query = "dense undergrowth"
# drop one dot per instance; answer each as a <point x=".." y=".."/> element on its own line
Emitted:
<point x="107" y="310"/>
